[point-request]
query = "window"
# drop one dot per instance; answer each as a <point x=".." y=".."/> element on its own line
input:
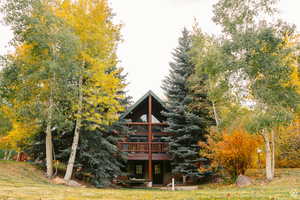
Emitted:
<point x="156" y="169"/>
<point x="139" y="169"/>
<point x="144" y="117"/>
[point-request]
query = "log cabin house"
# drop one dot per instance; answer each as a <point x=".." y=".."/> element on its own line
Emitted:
<point x="147" y="153"/>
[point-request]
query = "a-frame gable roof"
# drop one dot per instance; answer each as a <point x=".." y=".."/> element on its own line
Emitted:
<point x="142" y="99"/>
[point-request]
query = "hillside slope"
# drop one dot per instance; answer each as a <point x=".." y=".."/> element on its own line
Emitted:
<point x="22" y="181"/>
<point x="15" y="173"/>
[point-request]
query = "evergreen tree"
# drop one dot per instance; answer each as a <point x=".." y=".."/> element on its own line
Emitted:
<point x="188" y="125"/>
<point x="98" y="159"/>
<point x="98" y="151"/>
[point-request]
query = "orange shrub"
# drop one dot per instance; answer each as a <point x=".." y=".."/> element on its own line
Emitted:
<point x="235" y="151"/>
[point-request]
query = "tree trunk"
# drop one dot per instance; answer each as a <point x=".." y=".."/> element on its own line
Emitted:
<point x="5" y="154"/>
<point x="269" y="172"/>
<point x="216" y="114"/>
<point x="72" y="157"/>
<point x="49" y="145"/>
<point x="8" y="155"/>
<point x="18" y="156"/>
<point x="213" y="104"/>
<point x="184" y="179"/>
<point x="273" y="153"/>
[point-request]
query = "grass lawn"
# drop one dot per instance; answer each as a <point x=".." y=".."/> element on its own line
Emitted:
<point x="23" y="181"/>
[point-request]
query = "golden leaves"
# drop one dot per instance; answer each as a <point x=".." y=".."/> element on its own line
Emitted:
<point x="20" y="131"/>
<point x="235" y="151"/>
<point x="91" y="22"/>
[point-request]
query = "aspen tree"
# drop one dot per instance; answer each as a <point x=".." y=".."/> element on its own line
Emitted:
<point x="258" y="51"/>
<point x="98" y="88"/>
<point x="37" y="77"/>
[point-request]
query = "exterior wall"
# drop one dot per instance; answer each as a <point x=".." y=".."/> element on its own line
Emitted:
<point x="165" y="168"/>
<point x="131" y="168"/>
<point x="167" y="172"/>
<point x="145" y="144"/>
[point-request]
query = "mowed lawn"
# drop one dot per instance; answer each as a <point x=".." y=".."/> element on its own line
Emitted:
<point x="25" y="182"/>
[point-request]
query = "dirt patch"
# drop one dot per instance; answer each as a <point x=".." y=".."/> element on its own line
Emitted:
<point x="61" y="181"/>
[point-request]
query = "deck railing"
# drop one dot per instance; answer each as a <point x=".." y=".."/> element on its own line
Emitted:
<point x="143" y="147"/>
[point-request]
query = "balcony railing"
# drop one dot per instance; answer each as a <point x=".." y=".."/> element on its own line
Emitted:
<point x="143" y="147"/>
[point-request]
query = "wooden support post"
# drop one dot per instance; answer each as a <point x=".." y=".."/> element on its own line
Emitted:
<point x="150" y="139"/>
<point x="173" y="184"/>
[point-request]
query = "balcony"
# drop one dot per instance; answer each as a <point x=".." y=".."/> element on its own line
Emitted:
<point x="143" y="147"/>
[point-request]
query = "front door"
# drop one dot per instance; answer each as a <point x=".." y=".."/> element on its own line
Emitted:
<point x="139" y="170"/>
<point x="157" y="173"/>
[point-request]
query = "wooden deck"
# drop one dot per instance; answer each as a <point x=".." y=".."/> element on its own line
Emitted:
<point x="144" y="156"/>
<point x="137" y="147"/>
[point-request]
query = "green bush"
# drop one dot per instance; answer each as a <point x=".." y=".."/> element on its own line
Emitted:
<point x="2" y="152"/>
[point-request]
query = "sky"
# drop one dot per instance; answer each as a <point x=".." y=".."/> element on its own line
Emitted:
<point x="151" y="29"/>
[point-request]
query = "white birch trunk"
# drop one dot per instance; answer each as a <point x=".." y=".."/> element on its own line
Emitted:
<point x="214" y="105"/>
<point x="72" y="157"/>
<point x="18" y="156"/>
<point x="273" y="153"/>
<point x="5" y="154"/>
<point x="269" y="172"/>
<point x="8" y="155"/>
<point x="49" y="144"/>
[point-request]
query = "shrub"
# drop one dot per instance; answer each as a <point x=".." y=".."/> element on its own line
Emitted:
<point x="235" y="152"/>
<point x="288" y="151"/>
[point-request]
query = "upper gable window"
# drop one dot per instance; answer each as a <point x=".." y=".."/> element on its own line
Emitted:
<point x="143" y="118"/>
<point x="154" y="120"/>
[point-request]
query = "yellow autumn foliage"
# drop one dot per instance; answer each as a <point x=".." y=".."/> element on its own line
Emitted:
<point x="19" y="132"/>
<point x="288" y="143"/>
<point x="292" y="59"/>
<point x="234" y="151"/>
<point x="99" y="37"/>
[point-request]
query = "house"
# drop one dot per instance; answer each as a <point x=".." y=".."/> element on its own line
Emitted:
<point x="147" y="153"/>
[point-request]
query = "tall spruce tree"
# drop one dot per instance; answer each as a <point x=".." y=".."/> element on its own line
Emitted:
<point x="98" y="152"/>
<point x="187" y="125"/>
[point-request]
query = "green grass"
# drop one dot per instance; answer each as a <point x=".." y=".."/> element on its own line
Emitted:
<point x="21" y="181"/>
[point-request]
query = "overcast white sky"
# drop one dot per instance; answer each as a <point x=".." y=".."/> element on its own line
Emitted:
<point x="150" y="32"/>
